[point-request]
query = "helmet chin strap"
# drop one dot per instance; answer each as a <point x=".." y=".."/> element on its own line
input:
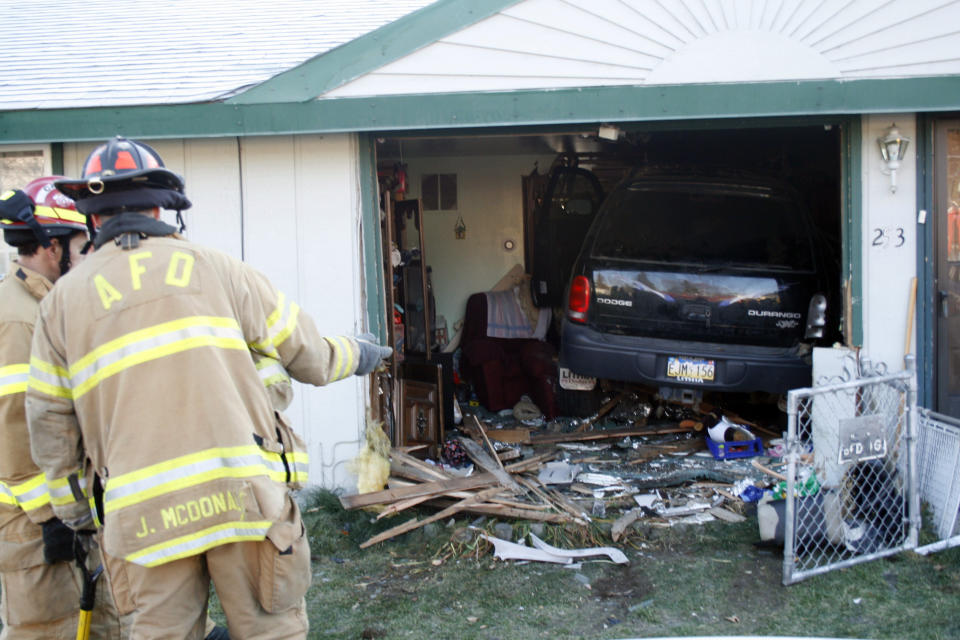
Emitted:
<point x="65" y="262"/>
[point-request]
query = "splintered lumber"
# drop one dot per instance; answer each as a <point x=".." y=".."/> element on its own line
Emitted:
<point x="529" y="463"/>
<point x="436" y="488"/>
<point x="604" y="410"/>
<point x="517" y="435"/>
<point x="428" y="468"/>
<point x="517" y="505"/>
<point x="770" y="472"/>
<point x="410" y="525"/>
<point x="403" y="505"/>
<point x="529" y="483"/>
<point x="402" y="470"/>
<point x="410" y="448"/>
<point x="487" y="442"/>
<point x="551" y="438"/>
<point x="409" y="467"/>
<point x="509" y="454"/>
<point x="511" y="512"/>
<point x="624" y="521"/>
<point x="485" y="462"/>
<point x="397" y="507"/>
<point x="580" y="516"/>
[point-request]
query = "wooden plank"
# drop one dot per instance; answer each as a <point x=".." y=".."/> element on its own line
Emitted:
<point x="529" y="463"/>
<point x="770" y="472"/>
<point x="410" y="525"/>
<point x="509" y="454"/>
<point x="579" y="514"/>
<point x="416" y="463"/>
<point x="551" y="438"/>
<point x="510" y="436"/>
<point x="405" y="471"/>
<point x="485" y="462"/>
<point x="531" y="484"/>
<point x="486" y="441"/>
<point x="512" y="512"/>
<point x="439" y="487"/>
<point x="624" y="521"/>
<point x="410" y="448"/>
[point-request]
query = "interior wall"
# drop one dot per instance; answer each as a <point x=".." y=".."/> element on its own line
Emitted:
<point x="490" y="201"/>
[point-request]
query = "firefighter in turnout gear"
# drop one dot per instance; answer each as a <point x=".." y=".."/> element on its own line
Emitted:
<point x="144" y="356"/>
<point x="40" y="584"/>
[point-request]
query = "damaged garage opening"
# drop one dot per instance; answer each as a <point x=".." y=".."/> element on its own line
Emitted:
<point x="606" y="319"/>
<point x="501" y="218"/>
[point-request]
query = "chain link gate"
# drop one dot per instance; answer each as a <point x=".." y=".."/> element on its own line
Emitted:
<point x="939" y="471"/>
<point x="851" y="466"/>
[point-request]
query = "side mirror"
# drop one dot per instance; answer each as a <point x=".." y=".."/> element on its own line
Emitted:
<point x="816" y="316"/>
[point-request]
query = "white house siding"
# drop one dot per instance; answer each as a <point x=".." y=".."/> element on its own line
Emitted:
<point x="577" y="43"/>
<point x="887" y="267"/>
<point x="289" y="206"/>
<point x="15" y="171"/>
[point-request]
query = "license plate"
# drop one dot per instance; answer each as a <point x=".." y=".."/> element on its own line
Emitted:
<point x="575" y="382"/>
<point x="695" y="370"/>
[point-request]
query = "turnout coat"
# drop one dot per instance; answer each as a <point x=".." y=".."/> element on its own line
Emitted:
<point x="146" y="400"/>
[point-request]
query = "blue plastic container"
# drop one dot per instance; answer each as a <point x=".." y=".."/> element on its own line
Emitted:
<point x="739" y="449"/>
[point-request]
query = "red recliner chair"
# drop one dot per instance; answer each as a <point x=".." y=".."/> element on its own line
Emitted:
<point x="504" y="369"/>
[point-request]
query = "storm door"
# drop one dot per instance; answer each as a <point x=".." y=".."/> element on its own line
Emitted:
<point x="946" y="185"/>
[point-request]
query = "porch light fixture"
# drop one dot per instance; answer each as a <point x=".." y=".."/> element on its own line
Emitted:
<point x="893" y="146"/>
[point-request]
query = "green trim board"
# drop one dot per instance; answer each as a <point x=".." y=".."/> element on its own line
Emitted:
<point x="371" y="51"/>
<point x="483" y="110"/>
<point x="373" y="259"/>
<point x="851" y="136"/>
<point x="56" y="158"/>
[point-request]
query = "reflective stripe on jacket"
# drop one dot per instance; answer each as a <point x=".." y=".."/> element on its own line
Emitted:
<point x="153" y="358"/>
<point x="23" y="486"/>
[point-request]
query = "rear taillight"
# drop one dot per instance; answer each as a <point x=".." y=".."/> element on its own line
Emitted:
<point x="816" y="316"/>
<point x="579" y="301"/>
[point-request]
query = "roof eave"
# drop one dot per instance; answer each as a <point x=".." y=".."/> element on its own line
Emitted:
<point x="488" y="110"/>
<point x="371" y="51"/>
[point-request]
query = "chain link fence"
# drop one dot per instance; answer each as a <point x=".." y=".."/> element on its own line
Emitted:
<point x="850" y="497"/>
<point x="939" y="477"/>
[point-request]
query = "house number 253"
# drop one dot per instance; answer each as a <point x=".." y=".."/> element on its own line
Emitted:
<point x="886" y="237"/>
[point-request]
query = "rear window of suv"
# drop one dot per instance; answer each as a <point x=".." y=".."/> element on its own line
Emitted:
<point x="704" y="225"/>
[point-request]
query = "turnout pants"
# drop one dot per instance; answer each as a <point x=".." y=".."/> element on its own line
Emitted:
<point x="261" y="589"/>
<point x="42" y="602"/>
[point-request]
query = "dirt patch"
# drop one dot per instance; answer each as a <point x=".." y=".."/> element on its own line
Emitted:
<point x="628" y="583"/>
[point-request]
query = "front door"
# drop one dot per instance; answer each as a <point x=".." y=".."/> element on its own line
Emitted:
<point x="946" y="185"/>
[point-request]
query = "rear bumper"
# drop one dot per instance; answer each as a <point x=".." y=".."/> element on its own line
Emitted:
<point x="638" y="359"/>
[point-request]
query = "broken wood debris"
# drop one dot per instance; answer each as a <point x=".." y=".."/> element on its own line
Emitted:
<point x="582" y="477"/>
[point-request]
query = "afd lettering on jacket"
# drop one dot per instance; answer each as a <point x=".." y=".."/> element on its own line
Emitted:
<point x="176" y="270"/>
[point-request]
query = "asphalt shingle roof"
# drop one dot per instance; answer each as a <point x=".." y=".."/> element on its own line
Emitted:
<point x="94" y="53"/>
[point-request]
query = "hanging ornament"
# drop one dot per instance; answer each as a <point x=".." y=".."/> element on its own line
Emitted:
<point x="400" y="179"/>
<point x="460" y="229"/>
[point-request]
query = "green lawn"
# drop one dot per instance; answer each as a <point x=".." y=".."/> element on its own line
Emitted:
<point x="687" y="580"/>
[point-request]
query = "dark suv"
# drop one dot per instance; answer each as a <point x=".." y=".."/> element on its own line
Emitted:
<point x="694" y="280"/>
